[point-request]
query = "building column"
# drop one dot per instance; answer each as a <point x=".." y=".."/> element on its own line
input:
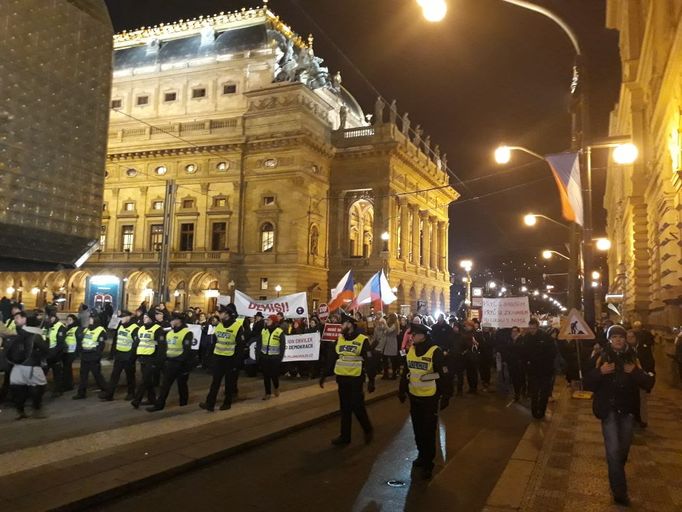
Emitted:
<point x="435" y="249"/>
<point x="404" y="230"/>
<point x="426" y="248"/>
<point x="441" y="247"/>
<point x="416" y="246"/>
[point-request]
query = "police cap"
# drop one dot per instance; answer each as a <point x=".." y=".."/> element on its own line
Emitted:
<point x="420" y="329"/>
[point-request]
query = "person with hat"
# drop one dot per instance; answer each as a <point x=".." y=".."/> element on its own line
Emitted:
<point x="229" y="342"/>
<point x="270" y="352"/>
<point x="178" y="364"/>
<point x="56" y="338"/>
<point x="74" y="336"/>
<point x="354" y="360"/>
<point x="123" y="350"/>
<point x="151" y="351"/>
<point x="616" y="379"/>
<point x="428" y="382"/>
<point x="91" y="349"/>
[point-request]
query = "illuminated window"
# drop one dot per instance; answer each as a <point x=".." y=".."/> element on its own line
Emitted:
<point x="263" y="283"/>
<point x="361" y="224"/>
<point x="220" y="202"/>
<point x="155" y="237"/>
<point x="187" y="236"/>
<point x="157" y="205"/>
<point x="129" y="206"/>
<point x="161" y="170"/>
<point x="102" y="237"/>
<point x="127" y="238"/>
<point x="267" y="237"/>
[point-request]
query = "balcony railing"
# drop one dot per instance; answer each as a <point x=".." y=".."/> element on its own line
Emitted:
<point x="153" y="257"/>
<point x="164" y="130"/>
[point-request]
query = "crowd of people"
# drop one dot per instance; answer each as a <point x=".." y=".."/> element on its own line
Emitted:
<point x="433" y="359"/>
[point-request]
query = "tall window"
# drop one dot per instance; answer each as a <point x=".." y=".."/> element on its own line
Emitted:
<point x="361" y="224"/>
<point x="155" y="237"/>
<point x="187" y="237"/>
<point x="127" y="237"/>
<point x="267" y="237"/>
<point x="219" y="236"/>
<point x="102" y="237"/>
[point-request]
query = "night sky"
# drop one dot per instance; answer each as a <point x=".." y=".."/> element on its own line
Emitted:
<point x="489" y="73"/>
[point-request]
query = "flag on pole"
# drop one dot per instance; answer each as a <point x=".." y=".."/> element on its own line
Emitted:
<point x="343" y="291"/>
<point x="566" y="170"/>
<point x="377" y="291"/>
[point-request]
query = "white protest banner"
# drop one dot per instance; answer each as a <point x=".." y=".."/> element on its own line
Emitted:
<point x="506" y="313"/>
<point x="196" y="331"/>
<point x="223" y="300"/>
<point x="113" y="323"/>
<point x="291" y="306"/>
<point x="302" y="347"/>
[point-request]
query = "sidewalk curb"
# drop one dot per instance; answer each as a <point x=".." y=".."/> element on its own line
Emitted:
<point x="116" y="491"/>
<point x="510" y="491"/>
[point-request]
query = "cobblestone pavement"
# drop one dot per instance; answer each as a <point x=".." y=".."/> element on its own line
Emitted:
<point x="571" y="473"/>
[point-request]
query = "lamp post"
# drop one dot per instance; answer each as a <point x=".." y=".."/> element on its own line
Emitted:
<point x="467" y="265"/>
<point x="547" y="254"/>
<point x="278" y="289"/>
<point x="531" y="219"/>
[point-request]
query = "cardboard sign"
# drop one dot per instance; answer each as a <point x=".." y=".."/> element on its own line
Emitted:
<point x="505" y="313"/>
<point x="196" y="331"/>
<point x="323" y="312"/>
<point x="291" y="306"/>
<point x="331" y="332"/>
<point x="575" y="328"/>
<point x="302" y="347"/>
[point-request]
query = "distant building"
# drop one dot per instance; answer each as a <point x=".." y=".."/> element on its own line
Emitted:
<point x="644" y="201"/>
<point x="55" y="81"/>
<point x="282" y="180"/>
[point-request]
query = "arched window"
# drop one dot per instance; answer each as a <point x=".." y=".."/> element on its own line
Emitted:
<point x="267" y="237"/>
<point x="314" y="240"/>
<point x="360" y="228"/>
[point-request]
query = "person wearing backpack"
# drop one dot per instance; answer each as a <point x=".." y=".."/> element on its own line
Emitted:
<point x="26" y="351"/>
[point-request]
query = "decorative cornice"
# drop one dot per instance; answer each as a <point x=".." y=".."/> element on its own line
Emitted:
<point x="172" y="152"/>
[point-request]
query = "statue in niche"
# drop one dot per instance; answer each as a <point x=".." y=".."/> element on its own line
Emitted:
<point x="393" y="112"/>
<point x="379" y="106"/>
<point x="406" y="125"/>
<point x="314" y="242"/>
<point x="343" y="117"/>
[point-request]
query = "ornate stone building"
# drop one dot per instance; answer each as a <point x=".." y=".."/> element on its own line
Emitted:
<point x="282" y="182"/>
<point x="644" y="201"/>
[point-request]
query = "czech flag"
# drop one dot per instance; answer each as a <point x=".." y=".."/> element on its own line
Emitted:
<point x="566" y="170"/>
<point x="343" y="292"/>
<point x="377" y="291"/>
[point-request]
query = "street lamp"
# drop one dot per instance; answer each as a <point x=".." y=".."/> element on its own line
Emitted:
<point x="503" y="155"/>
<point x="603" y="244"/>
<point x="530" y="219"/>
<point x="524" y="289"/>
<point x="625" y="154"/>
<point x="433" y="10"/>
<point x="547" y="254"/>
<point x="385" y="237"/>
<point x="278" y="289"/>
<point x="596" y="275"/>
<point x="492" y="285"/>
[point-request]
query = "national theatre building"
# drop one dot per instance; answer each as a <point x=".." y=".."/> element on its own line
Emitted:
<point x="283" y="183"/>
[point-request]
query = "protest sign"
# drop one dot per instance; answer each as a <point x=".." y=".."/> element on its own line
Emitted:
<point x="291" y="306"/>
<point x="323" y="312"/>
<point x="302" y="347"/>
<point x="331" y="332"/>
<point x="196" y="331"/>
<point x="223" y="300"/>
<point x="506" y="313"/>
<point x="113" y="323"/>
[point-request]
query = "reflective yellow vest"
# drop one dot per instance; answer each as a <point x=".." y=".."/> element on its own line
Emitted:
<point x="147" y="345"/>
<point x="90" y="338"/>
<point x="226" y="338"/>
<point x="174" y="341"/>
<point x="422" y="376"/>
<point x="270" y="341"/>
<point x="124" y="337"/>
<point x="71" y="340"/>
<point x="11" y="326"/>
<point x="52" y="334"/>
<point x="349" y="363"/>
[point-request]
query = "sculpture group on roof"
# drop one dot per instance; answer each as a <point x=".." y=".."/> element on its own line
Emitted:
<point x="302" y="65"/>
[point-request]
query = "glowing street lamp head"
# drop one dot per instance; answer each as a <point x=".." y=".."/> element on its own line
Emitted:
<point x="547" y="255"/>
<point x="596" y="275"/>
<point x="467" y="265"/>
<point x="524" y="289"/>
<point x="625" y="154"/>
<point x="492" y="285"/>
<point x="503" y="155"/>
<point x="603" y="244"/>
<point x="385" y="236"/>
<point x="530" y="219"/>
<point x="433" y="10"/>
<point x="536" y="293"/>
<point x="503" y="290"/>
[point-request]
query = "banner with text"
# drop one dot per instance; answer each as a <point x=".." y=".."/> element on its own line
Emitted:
<point x="506" y="313"/>
<point x="291" y="306"/>
<point x="331" y="332"/>
<point x="302" y="347"/>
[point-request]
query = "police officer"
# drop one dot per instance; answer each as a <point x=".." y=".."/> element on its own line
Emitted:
<point x="229" y="341"/>
<point x="428" y="383"/>
<point x="151" y="351"/>
<point x="56" y="338"/>
<point x="123" y="350"/>
<point x="178" y="362"/>
<point x="270" y="352"/>
<point x="354" y="359"/>
<point x="74" y="336"/>
<point x="91" y="349"/>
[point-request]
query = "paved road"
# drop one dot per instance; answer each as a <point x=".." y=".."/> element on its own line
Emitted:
<point x="302" y="471"/>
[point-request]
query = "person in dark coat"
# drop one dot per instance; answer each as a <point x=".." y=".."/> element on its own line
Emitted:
<point x="516" y="362"/>
<point x="616" y="379"/>
<point x="638" y="344"/>
<point x="539" y="352"/>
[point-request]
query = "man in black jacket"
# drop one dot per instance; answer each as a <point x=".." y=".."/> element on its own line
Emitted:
<point x="641" y="347"/>
<point x="428" y="382"/>
<point x="91" y="349"/>
<point x="539" y="351"/>
<point x="616" y="380"/>
<point x="123" y="350"/>
<point x="56" y="338"/>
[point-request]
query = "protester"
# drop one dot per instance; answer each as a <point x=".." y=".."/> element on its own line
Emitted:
<point x="539" y="352"/>
<point x="646" y="360"/>
<point x="470" y="358"/>
<point x="616" y="380"/>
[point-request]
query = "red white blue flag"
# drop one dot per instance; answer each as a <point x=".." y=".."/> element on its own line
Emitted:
<point x="377" y="291"/>
<point x="344" y="291"/>
<point x="566" y="171"/>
